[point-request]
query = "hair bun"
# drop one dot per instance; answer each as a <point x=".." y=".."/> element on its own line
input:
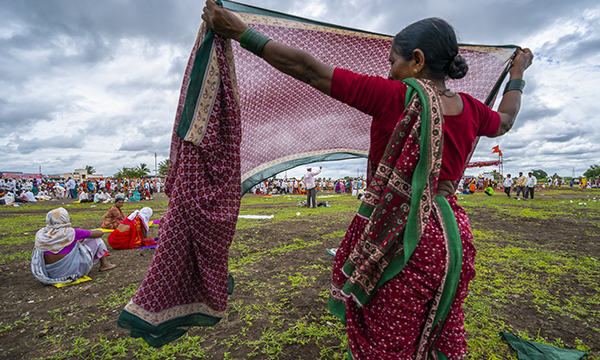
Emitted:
<point x="458" y="67"/>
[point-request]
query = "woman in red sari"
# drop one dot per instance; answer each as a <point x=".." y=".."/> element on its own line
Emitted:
<point x="131" y="232"/>
<point x="402" y="272"/>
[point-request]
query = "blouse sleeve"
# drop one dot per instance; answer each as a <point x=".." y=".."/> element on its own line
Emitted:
<point x="369" y="94"/>
<point x="489" y="120"/>
<point x="82" y="234"/>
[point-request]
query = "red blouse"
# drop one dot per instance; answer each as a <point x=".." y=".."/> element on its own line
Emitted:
<point x="384" y="100"/>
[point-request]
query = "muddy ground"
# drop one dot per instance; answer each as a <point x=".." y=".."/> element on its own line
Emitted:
<point x="39" y="321"/>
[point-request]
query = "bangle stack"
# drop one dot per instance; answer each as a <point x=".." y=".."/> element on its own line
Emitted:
<point x="253" y="41"/>
<point x="514" y="84"/>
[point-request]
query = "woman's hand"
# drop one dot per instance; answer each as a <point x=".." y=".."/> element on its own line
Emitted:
<point x="294" y="62"/>
<point x="521" y="62"/>
<point x="223" y="21"/>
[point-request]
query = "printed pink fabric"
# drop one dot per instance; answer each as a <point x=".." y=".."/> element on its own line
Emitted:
<point x="189" y="270"/>
<point x="277" y="124"/>
<point x="389" y="325"/>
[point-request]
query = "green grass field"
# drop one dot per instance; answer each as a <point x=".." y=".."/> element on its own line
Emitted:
<point x="538" y="274"/>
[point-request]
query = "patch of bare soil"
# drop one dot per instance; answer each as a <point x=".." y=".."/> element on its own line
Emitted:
<point x="91" y="309"/>
<point x="573" y="234"/>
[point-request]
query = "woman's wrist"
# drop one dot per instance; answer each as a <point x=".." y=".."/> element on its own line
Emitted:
<point x="514" y="84"/>
<point x="253" y="41"/>
<point x="516" y="73"/>
<point x="239" y="32"/>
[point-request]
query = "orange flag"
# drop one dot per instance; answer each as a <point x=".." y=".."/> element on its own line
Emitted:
<point x="496" y="149"/>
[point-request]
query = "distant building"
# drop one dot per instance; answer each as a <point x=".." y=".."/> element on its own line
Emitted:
<point x="80" y="175"/>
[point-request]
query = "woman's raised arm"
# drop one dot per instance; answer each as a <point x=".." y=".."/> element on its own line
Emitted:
<point x="294" y="62"/>
<point x="511" y="100"/>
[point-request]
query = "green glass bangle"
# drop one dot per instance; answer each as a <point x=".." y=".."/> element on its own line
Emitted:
<point x="514" y="84"/>
<point x="253" y="41"/>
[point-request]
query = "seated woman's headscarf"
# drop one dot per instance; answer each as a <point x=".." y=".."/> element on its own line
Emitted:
<point x="57" y="234"/>
<point x="143" y="214"/>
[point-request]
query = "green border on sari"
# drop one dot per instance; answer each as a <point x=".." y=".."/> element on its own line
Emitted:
<point x="420" y="176"/>
<point x="195" y="83"/>
<point x="168" y="331"/>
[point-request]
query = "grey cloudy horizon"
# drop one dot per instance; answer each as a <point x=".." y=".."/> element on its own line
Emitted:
<point x="97" y="83"/>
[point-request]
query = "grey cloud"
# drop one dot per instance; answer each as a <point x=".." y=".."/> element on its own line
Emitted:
<point x="15" y="116"/>
<point x="536" y="111"/>
<point x="492" y="22"/>
<point x="163" y="21"/>
<point x="75" y="141"/>
<point x="142" y="143"/>
<point x="572" y="47"/>
<point x="133" y="87"/>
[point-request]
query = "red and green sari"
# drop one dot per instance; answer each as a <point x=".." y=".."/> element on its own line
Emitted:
<point x="397" y="271"/>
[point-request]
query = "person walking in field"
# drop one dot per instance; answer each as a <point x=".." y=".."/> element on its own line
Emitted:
<point x="508" y="183"/>
<point x="530" y="185"/>
<point x="520" y="184"/>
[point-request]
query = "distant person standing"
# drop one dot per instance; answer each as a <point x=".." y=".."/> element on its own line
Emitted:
<point x="521" y="182"/>
<point x="508" y="182"/>
<point x="311" y="191"/>
<point x="530" y="185"/>
<point x="71" y="185"/>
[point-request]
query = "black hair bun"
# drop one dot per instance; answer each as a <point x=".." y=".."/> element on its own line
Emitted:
<point x="458" y="68"/>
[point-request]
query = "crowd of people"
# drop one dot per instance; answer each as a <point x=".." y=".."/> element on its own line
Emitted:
<point x="522" y="186"/>
<point x="297" y="187"/>
<point x="14" y="191"/>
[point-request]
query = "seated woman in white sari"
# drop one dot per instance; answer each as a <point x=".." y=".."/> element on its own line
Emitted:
<point x="43" y="195"/>
<point x="63" y="254"/>
<point x="60" y="191"/>
<point x="107" y="198"/>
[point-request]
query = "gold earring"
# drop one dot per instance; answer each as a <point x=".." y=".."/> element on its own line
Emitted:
<point x="416" y="71"/>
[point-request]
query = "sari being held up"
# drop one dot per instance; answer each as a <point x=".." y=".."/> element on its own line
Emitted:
<point x="132" y="231"/>
<point x="401" y="274"/>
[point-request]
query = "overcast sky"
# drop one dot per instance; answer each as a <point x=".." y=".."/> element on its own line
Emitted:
<point x="97" y="82"/>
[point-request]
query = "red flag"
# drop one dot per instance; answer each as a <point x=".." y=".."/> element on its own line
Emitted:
<point x="496" y="149"/>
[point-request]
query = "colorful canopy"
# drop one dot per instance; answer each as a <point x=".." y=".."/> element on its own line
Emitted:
<point x="286" y="123"/>
<point x="482" y="164"/>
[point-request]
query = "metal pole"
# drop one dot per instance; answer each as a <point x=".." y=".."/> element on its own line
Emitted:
<point x="155" y="164"/>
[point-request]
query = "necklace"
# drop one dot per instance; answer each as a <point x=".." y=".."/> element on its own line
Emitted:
<point x="445" y="93"/>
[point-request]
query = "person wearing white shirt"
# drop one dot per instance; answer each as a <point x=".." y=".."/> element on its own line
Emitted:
<point x="508" y="182"/>
<point x="30" y="195"/>
<point x="530" y="185"/>
<point x="83" y="197"/>
<point x="7" y="199"/>
<point x="71" y="185"/>
<point x="311" y="190"/>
